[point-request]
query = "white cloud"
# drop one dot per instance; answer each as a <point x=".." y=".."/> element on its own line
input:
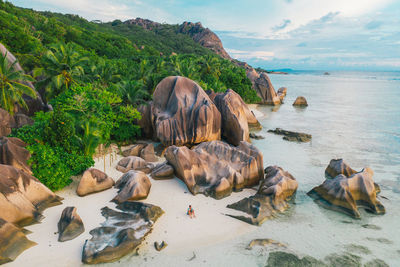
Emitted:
<point x="244" y="55"/>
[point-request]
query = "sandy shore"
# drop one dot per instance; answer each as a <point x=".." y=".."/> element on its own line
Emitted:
<point x="180" y="232"/>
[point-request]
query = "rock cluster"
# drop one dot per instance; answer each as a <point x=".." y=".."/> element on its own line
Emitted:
<point x="133" y="185"/>
<point x="216" y="168"/>
<point x="93" y="181"/>
<point x="70" y="225"/>
<point x="292" y="136"/>
<point x="162" y="171"/>
<point x="143" y="150"/>
<point x="347" y="193"/>
<point x="132" y="163"/>
<point x="272" y="196"/>
<point x="121" y="233"/>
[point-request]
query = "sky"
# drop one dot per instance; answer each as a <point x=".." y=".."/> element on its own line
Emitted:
<point x="274" y="34"/>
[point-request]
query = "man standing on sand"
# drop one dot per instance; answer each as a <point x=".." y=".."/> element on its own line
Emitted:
<point x="190" y="212"/>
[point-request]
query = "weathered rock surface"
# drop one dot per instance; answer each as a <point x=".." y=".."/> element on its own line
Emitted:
<point x="160" y="246"/>
<point x="216" y="168"/>
<point x="22" y="120"/>
<point x="34" y="105"/>
<point x="146" y="123"/>
<point x="132" y="163"/>
<point x="265" y="242"/>
<point x="338" y="166"/>
<point x="133" y="185"/>
<point x="121" y="233"/>
<point x="347" y="194"/>
<point x="272" y="196"/>
<point x="163" y="171"/>
<point x="23" y="197"/>
<point x="13" y="153"/>
<point x="133" y="150"/>
<point x="256" y="136"/>
<point x="235" y="127"/>
<point x="7" y="122"/>
<point x="70" y="225"/>
<point x="147" y="153"/>
<point x="93" y="181"/>
<point x="282" y="93"/>
<point x="292" y="136"/>
<point x="12" y="241"/>
<point x="262" y="84"/>
<point x="183" y="113"/>
<point x="300" y="102"/>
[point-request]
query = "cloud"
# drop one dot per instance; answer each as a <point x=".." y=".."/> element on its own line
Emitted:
<point x="247" y="54"/>
<point x="373" y="25"/>
<point x="282" y="26"/>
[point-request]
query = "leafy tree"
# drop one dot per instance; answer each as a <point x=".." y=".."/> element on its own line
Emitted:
<point x="12" y="85"/>
<point x="133" y="92"/>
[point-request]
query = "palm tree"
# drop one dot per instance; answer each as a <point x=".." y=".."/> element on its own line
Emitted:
<point x="63" y="67"/>
<point x="104" y="72"/>
<point x="12" y="85"/>
<point x="133" y="92"/>
<point x="91" y="137"/>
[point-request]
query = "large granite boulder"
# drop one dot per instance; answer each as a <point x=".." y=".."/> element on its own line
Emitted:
<point x="216" y="168"/>
<point x="263" y="86"/>
<point x="33" y="104"/>
<point x="292" y="136"/>
<point x="300" y="102"/>
<point x="162" y="171"/>
<point x="146" y="121"/>
<point x="70" y="225"/>
<point x="121" y="233"/>
<point x="13" y="152"/>
<point x="23" y="197"/>
<point x="134" y="150"/>
<point x="148" y="154"/>
<point x="133" y="185"/>
<point x="132" y="163"/>
<point x="93" y="181"/>
<point x="347" y="194"/>
<point x="272" y="197"/>
<point x="338" y="166"/>
<point x="12" y="241"/>
<point x="183" y="113"/>
<point x="234" y="118"/>
<point x="7" y="122"/>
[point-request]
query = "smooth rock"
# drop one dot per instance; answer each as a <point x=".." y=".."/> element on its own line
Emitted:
<point x="23" y="197"/>
<point x="263" y="86"/>
<point x="6" y="123"/>
<point x="183" y="113"/>
<point x="300" y="102"/>
<point x="70" y="225"/>
<point x="133" y="185"/>
<point x="12" y="242"/>
<point x="133" y="150"/>
<point x="338" y="166"/>
<point x="235" y="127"/>
<point x="163" y="171"/>
<point x="292" y="136"/>
<point x="147" y="153"/>
<point x="282" y="93"/>
<point x="93" y="181"/>
<point x="121" y="233"/>
<point x="132" y="163"/>
<point x="256" y="136"/>
<point x="216" y="168"/>
<point x="347" y="194"/>
<point x="13" y="153"/>
<point x="272" y="197"/>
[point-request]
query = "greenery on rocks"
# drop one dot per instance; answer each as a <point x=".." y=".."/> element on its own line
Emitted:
<point x="95" y="75"/>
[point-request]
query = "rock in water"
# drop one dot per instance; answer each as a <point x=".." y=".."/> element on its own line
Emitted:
<point x="160" y="246"/>
<point x="93" y="181"/>
<point x="133" y="185"/>
<point x="256" y="136"/>
<point x="12" y="242"/>
<point x="273" y="195"/>
<point x="300" y="102"/>
<point x="132" y="163"/>
<point x="282" y="93"/>
<point x="13" y="152"/>
<point x="216" y="168"/>
<point x="263" y="86"/>
<point x="346" y="194"/>
<point x="162" y="171"/>
<point x="183" y="113"/>
<point x="6" y="123"/>
<point x="70" y="225"/>
<point x="23" y="197"/>
<point x="121" y="233"/>
<point x="265" y="242"/>
<point x="234" y="120"/>
<point x="285" y="259"/>
<point x="338" y="166"/>
<point x="292" y="136"/>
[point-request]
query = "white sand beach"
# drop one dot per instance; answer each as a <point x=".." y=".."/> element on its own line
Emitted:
<point x="181" y="233"/>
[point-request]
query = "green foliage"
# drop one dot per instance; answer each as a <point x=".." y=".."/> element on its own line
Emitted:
<point x="12" y="85"/>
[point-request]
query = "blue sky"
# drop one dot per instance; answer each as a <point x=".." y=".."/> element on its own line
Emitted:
<point x="298" y="34"/>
